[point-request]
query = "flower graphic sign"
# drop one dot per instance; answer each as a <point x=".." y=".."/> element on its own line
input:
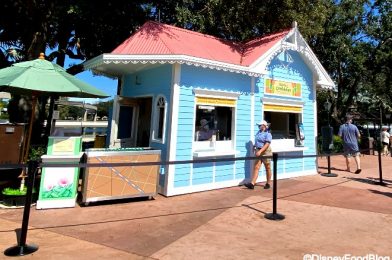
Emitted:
<point x="62" y="189"/>
<point x="58" y="183"/>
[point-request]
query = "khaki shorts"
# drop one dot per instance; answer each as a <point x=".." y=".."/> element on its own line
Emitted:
<point x="266" y="153"/>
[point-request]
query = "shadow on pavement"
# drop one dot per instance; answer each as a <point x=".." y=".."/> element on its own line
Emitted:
<point x="252" y="208"/>
<point x="368" y="180"/>
<point x="377" y="179"/>
<point x="388" y="194"/>
<point x="332" y="168"/>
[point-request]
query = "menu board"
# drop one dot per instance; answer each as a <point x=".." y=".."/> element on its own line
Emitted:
<point x="64" y="145"/>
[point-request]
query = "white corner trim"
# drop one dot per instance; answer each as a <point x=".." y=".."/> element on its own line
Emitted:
<point x="114" y="124"/>
<point x="252" y="108"/>
<point x="175" y="104"/>
<point x="315" y="112"/>
<point x="216" y="93"/>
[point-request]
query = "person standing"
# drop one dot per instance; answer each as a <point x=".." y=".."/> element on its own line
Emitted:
<point x="262" y="148"/>
<point x="385" y="141"/>
<point x="350" y="135"/>
<point x="204" y="133"/>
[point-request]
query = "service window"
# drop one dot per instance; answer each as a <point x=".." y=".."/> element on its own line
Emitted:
<point x="213" y="123"/>
<point x="283" y="124"/>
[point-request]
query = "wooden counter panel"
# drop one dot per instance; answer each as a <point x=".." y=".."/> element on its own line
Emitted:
<point x="121" y="182"/>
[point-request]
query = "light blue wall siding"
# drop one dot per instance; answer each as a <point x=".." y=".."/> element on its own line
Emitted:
<point x="202" y="173"/>
<point x="244" y="138"/>
<point x="158" y="81"/>
<point x="182" y="174"/>
<point x="152" y="83"/>
<point x="297" y="71"/>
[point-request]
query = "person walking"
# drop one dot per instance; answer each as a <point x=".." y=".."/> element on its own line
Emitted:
<point x="350" y="135"/>
<point x="262" y="148"/>
<point x="385" y="136"/>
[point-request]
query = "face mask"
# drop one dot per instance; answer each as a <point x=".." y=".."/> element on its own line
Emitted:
<point x="206" y="127"/>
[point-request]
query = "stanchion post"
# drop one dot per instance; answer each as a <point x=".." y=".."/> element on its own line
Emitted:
<point x="23" y="249"/>
<point x="381" y="182"/>
<point x="274" y="215"/>
<point x="329" y="174"/>
<point x="327" y="133"/>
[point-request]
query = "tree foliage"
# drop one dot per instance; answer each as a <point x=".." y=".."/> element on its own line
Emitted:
<point x="103" y="108"/>
<point x="352" y="38"/>
<point x="352" y="49"/>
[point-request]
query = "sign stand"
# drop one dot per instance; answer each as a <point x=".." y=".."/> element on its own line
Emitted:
<point x="58" y="188"/>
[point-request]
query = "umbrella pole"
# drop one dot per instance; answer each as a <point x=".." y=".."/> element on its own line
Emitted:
<point x="26" y="152"/>
<point x="23" y="175"/>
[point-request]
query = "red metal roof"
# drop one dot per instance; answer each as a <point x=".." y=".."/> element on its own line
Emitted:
<point x="161" y="39"/>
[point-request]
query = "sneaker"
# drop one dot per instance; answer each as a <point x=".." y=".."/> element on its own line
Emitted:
<point x="249" y="185"/>
<point x="358" y="171"/>
<point x="267" y="186"/>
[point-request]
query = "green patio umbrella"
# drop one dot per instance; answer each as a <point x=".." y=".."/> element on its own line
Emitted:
<point x="41" y="77"/>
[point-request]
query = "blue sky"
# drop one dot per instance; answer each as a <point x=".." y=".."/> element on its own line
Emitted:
<point x="107" y="85"/>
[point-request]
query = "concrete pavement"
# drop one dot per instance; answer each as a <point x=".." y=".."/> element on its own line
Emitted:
<point x="328" y="216"/>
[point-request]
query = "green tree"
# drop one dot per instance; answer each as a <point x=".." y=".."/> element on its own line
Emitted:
<point x="104" y="107"/>
<point x="242" y="20"/>
<point x="355" y="51"/>
<point x="77" y="29"/>
<point x="352" y="38"/>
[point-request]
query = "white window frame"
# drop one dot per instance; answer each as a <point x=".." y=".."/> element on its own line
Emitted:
<point x="284" y="145"/>
<point x="125" y="142"/>
<point x="155" y="128"/>
<point x="218" y="148"/>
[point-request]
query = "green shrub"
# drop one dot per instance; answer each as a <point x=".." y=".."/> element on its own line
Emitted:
<point x="36" y="153"/>
<point x="338" y="144"/>
<point x="15" y="192"/>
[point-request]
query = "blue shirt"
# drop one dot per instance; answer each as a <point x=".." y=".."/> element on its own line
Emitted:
<point x="349" y="134"/>
<point x="262" y="138"/>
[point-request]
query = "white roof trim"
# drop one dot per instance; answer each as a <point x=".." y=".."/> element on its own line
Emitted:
<point x="215" y="93"/>
<point x="300" y="46"/>
<point x="108" y="58"/>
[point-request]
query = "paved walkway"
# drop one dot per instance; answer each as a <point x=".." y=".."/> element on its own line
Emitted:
<point x="329" y="216"/>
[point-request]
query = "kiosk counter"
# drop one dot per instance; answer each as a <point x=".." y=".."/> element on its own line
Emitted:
<point x="120" y="182"/>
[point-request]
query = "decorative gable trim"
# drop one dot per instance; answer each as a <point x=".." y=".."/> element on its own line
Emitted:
<point x="294" y="41"/>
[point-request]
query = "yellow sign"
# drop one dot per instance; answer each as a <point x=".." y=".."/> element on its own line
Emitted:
<point x="280" y="108"/>
<point x="215" y="101"/>
<point x="63" y="146"/>
<point x="282" y="88"/>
